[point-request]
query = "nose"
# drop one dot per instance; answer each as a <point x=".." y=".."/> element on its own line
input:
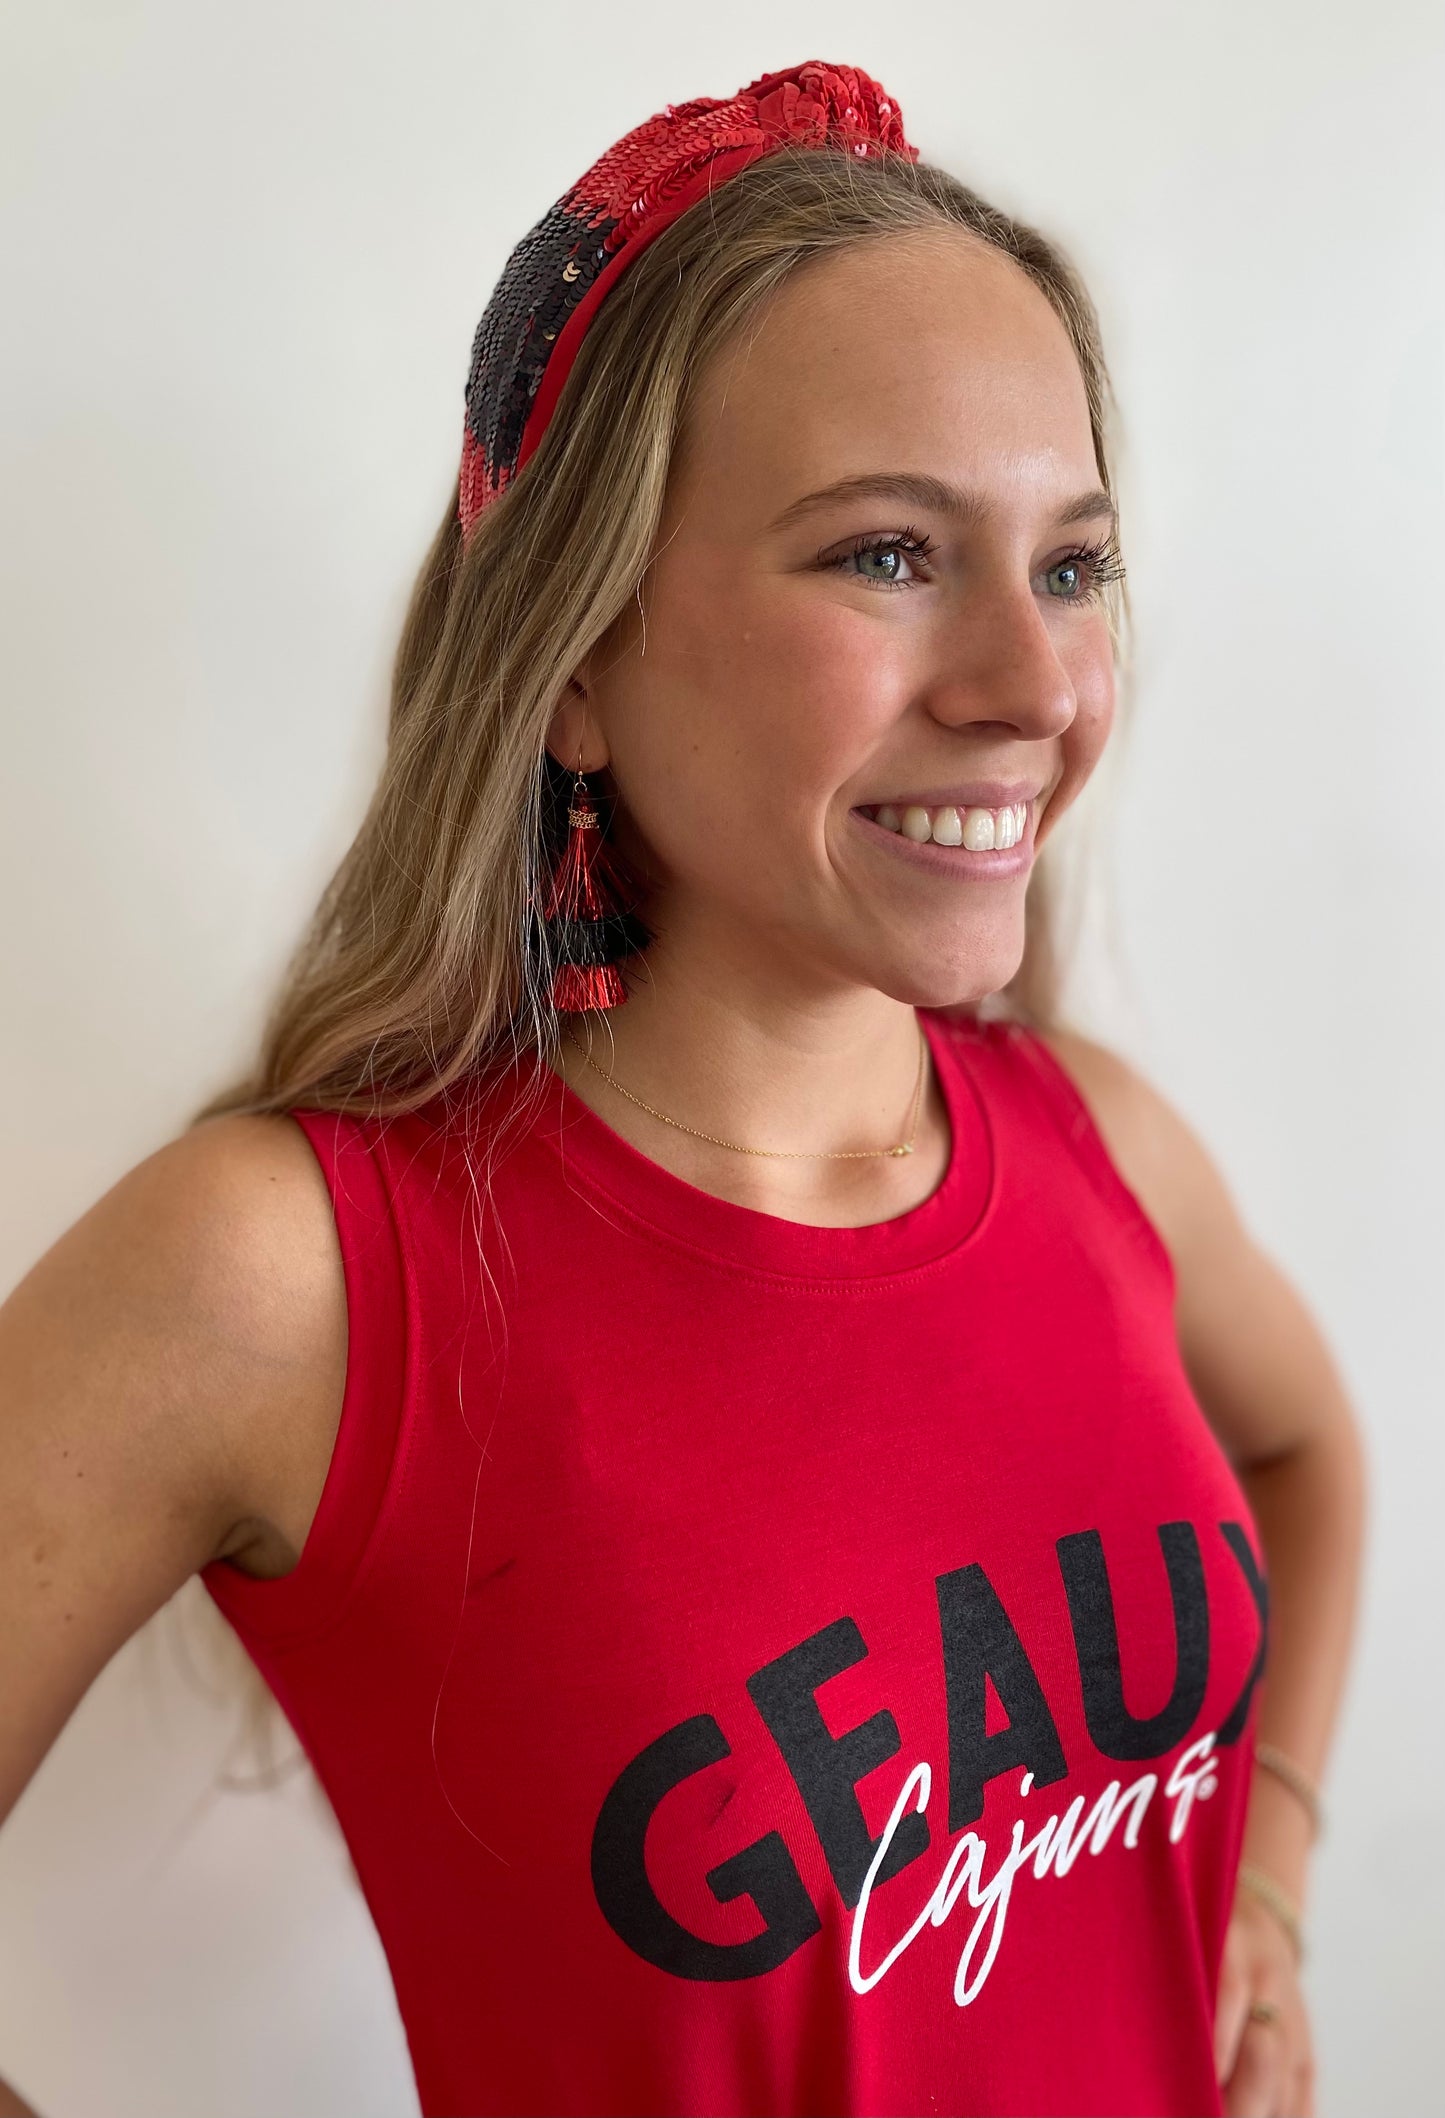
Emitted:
<point x="1000" y="664"/>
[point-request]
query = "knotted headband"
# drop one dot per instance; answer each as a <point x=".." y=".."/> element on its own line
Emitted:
<point x="559" y="273"/>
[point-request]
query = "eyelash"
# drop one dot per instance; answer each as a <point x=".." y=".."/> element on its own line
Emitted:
<point x="1103" y="560"/>
<point x="906" y="540"/>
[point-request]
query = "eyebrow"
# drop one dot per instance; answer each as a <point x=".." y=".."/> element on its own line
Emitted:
<point x="919" y="489"/>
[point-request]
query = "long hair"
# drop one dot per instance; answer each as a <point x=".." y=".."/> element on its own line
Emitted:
<point x="420" y="969"/>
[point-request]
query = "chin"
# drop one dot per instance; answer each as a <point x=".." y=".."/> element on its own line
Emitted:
<point x="949" y="982"/>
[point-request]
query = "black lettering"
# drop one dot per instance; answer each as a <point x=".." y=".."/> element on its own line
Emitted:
<point x="1233" y="1727"/>
<point x="764" y="1871"/>
<point x="1115" y="1731"/>
<point x="979" y="1641"/>
<point x="827" y="1768"/>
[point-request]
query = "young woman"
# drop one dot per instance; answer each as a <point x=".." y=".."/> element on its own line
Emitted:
<point x="811" y="1553"/>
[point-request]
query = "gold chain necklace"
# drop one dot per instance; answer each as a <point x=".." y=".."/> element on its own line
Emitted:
<point x="844" y="1154"/>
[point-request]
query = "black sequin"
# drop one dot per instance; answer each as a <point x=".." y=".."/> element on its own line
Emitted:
<point x="519" y="326"/>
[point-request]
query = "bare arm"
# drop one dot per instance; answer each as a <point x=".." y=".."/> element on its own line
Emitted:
<point x="171" y="1374"/>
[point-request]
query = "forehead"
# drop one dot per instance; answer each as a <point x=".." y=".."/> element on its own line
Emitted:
<point x="926" y="351"/>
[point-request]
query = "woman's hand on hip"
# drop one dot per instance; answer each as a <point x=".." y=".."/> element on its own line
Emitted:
<point x="1266" y="2069"/>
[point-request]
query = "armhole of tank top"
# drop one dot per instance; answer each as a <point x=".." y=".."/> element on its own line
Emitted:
<point x="289" y="1607"/>
<point x="1076" y="1122"/>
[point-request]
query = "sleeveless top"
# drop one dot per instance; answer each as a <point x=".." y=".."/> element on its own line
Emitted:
<point x="770" y="1669"/>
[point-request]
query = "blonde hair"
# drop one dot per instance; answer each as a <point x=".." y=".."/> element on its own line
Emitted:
<point x="419" y="968"/>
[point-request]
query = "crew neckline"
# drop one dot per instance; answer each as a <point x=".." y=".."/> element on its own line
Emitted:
<point x="595" y="1159"/>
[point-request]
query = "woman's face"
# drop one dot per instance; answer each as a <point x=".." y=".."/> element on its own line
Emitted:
<point x="782" y="682"/>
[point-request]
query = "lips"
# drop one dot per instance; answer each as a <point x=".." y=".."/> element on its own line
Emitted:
<point x="971" y="794"/>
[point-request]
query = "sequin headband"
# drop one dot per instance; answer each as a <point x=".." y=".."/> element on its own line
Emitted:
<point x="559" y="273"/>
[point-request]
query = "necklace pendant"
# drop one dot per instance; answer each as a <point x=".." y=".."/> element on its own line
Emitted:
<point x="906" y="1149"/>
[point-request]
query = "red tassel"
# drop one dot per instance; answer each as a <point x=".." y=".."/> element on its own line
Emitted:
<point x="576" y="986"/>
<point x="586" y="921"/>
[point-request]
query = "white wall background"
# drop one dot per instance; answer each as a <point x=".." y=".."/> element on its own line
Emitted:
<point x="244" y="250"/>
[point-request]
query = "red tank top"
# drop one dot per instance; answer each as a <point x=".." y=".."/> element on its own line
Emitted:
<point x="767" y="1669"/>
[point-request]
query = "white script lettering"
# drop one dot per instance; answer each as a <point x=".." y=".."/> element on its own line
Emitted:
<point x="1053" y="1850"/>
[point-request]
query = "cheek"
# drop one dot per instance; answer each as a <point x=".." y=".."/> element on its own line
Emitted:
<point x="1091" y="673"/>
<point x="1088" y="661"/>
<point x="776" y="695"/>
<point x="826" y="691"/>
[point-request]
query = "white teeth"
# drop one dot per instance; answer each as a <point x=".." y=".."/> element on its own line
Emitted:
<point x="980" y="830"/>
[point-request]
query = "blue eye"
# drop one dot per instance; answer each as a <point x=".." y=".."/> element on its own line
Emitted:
<point x="904" y="543"/>
<point x="1091" y="568"/>
<point x="1084" y="572"/>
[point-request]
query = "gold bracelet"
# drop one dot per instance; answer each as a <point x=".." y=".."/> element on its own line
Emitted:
<point x="1268" y="1891"/>
<point x="1295" y="1778"/>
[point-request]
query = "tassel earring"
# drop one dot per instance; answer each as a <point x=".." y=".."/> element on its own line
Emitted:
<point x="589" y="929"/>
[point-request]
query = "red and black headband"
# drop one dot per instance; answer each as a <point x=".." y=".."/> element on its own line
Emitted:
<point x="561" y="270"/>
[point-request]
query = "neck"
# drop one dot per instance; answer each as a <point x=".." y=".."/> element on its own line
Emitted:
<point x="814" y="1074"/>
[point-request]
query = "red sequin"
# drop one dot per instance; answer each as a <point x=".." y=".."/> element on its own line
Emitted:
<point x="522" y="350"/>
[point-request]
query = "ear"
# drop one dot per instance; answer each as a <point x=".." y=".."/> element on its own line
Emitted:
<point x="573" y="736"/>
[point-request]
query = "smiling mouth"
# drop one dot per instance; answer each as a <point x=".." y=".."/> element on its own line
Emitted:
<point x="975" y="830"/>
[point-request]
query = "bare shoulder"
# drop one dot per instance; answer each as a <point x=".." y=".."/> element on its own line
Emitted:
<point x="240" y="1226"/>
<point x="171" y="1378"/>
<point x="193" y="1322"/>
<point x="1258" y="1361"/>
